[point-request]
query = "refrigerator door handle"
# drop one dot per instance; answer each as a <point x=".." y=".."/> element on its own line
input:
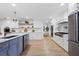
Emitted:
<point x="76" y="28"/>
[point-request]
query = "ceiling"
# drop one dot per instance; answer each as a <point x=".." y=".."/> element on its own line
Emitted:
<point x="37" y="11"/>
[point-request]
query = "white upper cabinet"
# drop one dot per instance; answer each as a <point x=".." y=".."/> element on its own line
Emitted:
<point x="72" y="7"/>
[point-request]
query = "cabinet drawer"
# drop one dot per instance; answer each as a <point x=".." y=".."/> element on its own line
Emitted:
<point x="13" y="41"/>
<point x="3" y="45"/>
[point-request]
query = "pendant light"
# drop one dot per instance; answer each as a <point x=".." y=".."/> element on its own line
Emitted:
<point x="14" y="18"/>
<point x="14" y="12"/>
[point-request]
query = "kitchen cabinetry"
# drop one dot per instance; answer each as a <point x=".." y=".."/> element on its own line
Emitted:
<point x="61" y="28"/>
<point x="3" y="52"/>
<point x="62" y="41"/>
<point x="14" y="46"/>
<point x="59" y="40"/>
<point x="66" y="45"/>
<point x="25" y="41"/>
<point x="36" y="35"/>
<point x="3" y="49"/>
<point x="12" y="51"/>
<point x="20" y="45"/>
<point x="65" y="37"/>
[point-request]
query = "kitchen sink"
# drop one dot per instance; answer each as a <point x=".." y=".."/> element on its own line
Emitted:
<point x="6" y="37"/>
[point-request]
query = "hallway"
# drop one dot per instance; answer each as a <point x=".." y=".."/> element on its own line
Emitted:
<point x="44" y="47"/>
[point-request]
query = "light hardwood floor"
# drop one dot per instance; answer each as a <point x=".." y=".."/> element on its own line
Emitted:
<point x="44" y="47"/>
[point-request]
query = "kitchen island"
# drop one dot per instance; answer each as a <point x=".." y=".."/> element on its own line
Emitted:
<point x="13" y="44"/>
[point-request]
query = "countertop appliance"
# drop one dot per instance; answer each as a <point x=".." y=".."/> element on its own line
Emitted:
<point x="73" y="38"/>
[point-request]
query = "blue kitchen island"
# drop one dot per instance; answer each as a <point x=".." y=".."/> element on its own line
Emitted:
<point x="13" y="44"/>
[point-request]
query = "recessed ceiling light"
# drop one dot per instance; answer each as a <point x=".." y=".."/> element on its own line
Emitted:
<point x="62" y="4"/>
<point x="27" y="17"/>
<point x="13" y="4"/>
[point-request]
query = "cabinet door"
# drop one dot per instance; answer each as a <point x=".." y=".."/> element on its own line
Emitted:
<point x="66" y="45"/>
<point x="4" y="52"/>
<point x="12" y="50"/>
<point x="3" y="49"/>
<point x="13" y="41"/>
<point x="20" y="45"/>
<point x="26" y="38"/>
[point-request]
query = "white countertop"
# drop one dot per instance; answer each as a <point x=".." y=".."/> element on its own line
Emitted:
<point x="19" y="34"/>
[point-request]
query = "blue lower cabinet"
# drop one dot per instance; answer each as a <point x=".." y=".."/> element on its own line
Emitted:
<point x="3" y="49"/>
<point x="13" y="41"/>
<point x="20" y="45"/>
<point x="12" y="47"/>
<point x="25" y="40"/>
<point x="4" y="52"/>
<point x="12" y="50"/>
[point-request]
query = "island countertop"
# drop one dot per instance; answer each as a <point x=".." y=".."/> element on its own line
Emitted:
<point x="17" y="35"/>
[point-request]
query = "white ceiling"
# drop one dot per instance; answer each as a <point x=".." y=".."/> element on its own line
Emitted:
<point x="37" y="11"/>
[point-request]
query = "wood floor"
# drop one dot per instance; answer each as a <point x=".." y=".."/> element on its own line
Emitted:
<point x="44" y="47"/>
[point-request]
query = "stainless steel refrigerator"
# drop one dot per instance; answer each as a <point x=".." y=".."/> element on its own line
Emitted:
<point x="73" y="38"/>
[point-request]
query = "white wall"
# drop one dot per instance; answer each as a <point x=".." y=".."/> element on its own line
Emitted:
<point x="8" y="22"/>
